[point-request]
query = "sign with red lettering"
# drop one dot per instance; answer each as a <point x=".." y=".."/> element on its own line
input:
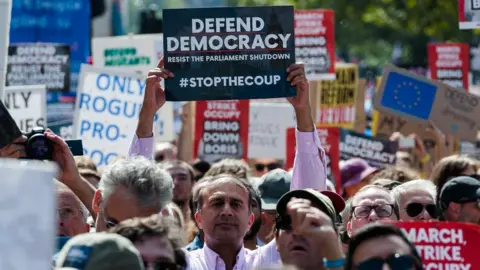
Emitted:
<point x="330" y="139"/>
<point x="315" y="43"/>
<point x="221" y="129"/>
<point x="449" y="63"/>
<point x="445" y="245"/>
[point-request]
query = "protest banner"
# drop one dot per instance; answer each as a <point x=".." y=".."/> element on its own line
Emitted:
<point x="471" y="149"/>
<point x="267" y="131"/>
<point x="377" y="152"/>
<point x="39" y="63"/>
<point x="221" y="130"/>
<point x="28" y="225"/>
<point x="5" y="15"/>
<point x="449" y="63"/>
<point x="444" y="245"/>
<point x="27" y="105"/>
<point x="107" y="110"/>
<point x="415" y="98"/>
<point x="315" y="43"/>
<point x="330" y="139"/>
<point x="469" y="14"/>
<point x="127" y="53"/>
<point x="338" y="98"/>
<point x="228" y="53"/>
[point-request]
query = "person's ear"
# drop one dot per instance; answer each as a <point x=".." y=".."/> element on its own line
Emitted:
<point x="251" y="219"/>
<point x="198" y="219"/>
<point x="349" y="229"/>
<point x="97" y="201"/>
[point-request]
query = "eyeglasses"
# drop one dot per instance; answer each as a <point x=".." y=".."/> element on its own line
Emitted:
<point x="415" y="209"/>
<point x="160" y="265"/>
<point x="270" y="166"/>
<point x="382" y="211"/>
<point x="109" y="223"/>
<point x="67" y="213"/>
<point x="395" y="261"/>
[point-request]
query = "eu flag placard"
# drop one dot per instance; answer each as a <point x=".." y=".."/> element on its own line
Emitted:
<point x="408" y="95"/>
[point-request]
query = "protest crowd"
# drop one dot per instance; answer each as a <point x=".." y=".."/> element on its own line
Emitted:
<point x="316" y="193"/>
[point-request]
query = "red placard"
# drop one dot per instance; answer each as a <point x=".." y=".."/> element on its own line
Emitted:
<point x="315" y="43"/>
<point x="330" y="139"/>
<point x="445" y="245"/>
<point x="221" y="129"/>
<point x="449" y="63"/>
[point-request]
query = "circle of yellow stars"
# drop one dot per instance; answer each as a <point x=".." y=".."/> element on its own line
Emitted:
<point x="404" y="105"/>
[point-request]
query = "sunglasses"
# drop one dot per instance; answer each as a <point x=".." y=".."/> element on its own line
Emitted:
<point x="270" y="166"/>
<point x="415" y="209"/>
<point x="395" y="261"/>
<point x="160" y="265"/>
<point x="382" y="210"/>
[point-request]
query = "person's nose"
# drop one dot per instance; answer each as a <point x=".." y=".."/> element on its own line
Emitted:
<point x="386" y="267"/>
<point x="425" y="215"/>
<point x="373" y="216"/>
<point x="227" y="210"/>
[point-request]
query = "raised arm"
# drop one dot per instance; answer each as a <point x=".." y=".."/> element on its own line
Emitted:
<point x="309" y="169"/>
<point x="153" y="100"/>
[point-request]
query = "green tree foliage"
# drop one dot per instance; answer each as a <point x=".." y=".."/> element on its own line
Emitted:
<point x="368" y="29"/>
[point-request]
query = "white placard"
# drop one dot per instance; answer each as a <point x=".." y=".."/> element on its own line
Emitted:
<point x="137" y="53"/>
<point x="267" y="129"/>
<point x="27" y="105"/>
<point x="28" y="211"/>
<point x="5" y="12"/>
<point x="107" y="110"/>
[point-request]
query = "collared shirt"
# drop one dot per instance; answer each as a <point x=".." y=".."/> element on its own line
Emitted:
<point x="309" y="171"/>
<point x="197" y="243"/>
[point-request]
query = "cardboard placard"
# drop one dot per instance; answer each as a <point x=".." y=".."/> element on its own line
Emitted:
<point x="444" y="245"/>
<point x="228" y="53"/>
<point x="127" y="53"/>
<point x="449" y="63"/>
<point x="28" y="222"/>
<point x="330" y="139"/>
<point x="107" y="110"/>
<point x="377" y="152"/>
<point x="469" y="14"/>
<point x="27" y="105"/>
<point x="315" y="43"/>
<point x="267" y="131"/>
<point x="39" y="63"/>
<point x="8" y="129"/>
<point x="221" y="130"/>
<point x="423" y="101"/>
<point x="338" y="98"/>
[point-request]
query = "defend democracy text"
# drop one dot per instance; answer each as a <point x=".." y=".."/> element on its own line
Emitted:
<point x="246" y="35"/>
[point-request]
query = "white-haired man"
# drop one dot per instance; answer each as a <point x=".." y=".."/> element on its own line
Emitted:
<point x="416" y="200"/>
<point x="71" y="213"/>
<point x="132" y="187"/>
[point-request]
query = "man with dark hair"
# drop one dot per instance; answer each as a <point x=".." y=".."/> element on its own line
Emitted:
<point x="183" y="177"/>
<point x="158" y="240"/>
<point x="460" y="200"/>
<point x="376" y="245"/>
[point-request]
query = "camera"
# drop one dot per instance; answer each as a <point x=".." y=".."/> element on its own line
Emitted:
<point x="37" y="145"/>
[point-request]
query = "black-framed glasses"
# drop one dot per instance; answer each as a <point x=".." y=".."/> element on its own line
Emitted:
<point x="67" y="212"/>
<point x="415" y="209"/>
<point x="395" y="261"/>
<point x="270" y="166"/>
<point x="382" y="210"/>
<point x="160" y="265"/>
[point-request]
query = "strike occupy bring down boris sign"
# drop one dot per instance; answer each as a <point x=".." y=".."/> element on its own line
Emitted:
<point x="449" y="63"/>
<point x="221" y="130"/>
<point x="228" y="53"/>
<point x="107" y="110"/>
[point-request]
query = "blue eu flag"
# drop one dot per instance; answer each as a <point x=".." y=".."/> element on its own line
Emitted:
<point x="408" y="95"/>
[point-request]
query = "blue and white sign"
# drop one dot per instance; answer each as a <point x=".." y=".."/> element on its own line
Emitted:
<point x="107" y="109"/>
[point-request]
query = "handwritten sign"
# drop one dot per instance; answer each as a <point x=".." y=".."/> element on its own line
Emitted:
<point x="27" y="105"/>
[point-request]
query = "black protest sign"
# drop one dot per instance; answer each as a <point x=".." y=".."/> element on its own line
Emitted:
<point x="39" y="63"/>
<point x="228" y="53"/>
<point x="377" y="152"/>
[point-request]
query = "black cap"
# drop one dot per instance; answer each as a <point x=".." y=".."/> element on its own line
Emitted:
<point x="462" y="189"/>
<point x="273" y="185"/>
<point x="316" y="198"/>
